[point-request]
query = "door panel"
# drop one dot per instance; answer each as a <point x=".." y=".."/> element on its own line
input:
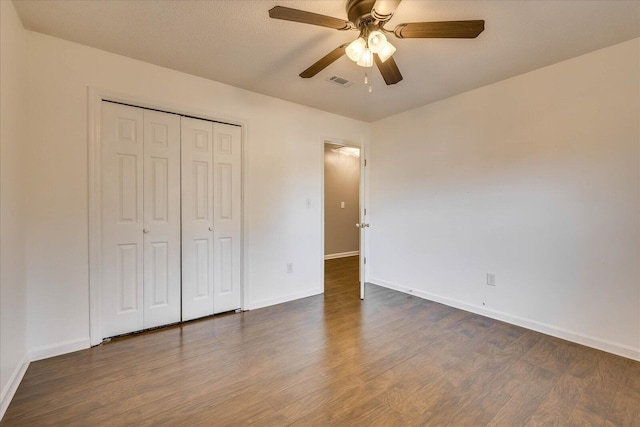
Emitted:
<point x="161" y="218"/>
<point x="203" y="267"/>
<point x="197" y="218"/>
<point x="226" y="265"/>
<point x="227" y="224"/>
<point x="127" y="188"/>
<point x="160" y="272"/>
<point x="122" y="219"/>
<point x="127" y="278"/>
<point x="201" y="189"/>
<point x="159" y="191"/>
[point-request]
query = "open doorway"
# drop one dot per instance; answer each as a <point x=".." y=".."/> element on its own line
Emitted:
<point x="342" y="206"/>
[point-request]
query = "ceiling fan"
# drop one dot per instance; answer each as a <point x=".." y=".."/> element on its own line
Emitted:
<point x="369" y="17"/>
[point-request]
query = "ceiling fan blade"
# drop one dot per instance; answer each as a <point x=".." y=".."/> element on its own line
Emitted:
<point x="296" y="15"/>
<point x="383" y="9"/>
<point x="324" y="62"/>
<point x="443" y="29"/>
<point x="389" y="70"/>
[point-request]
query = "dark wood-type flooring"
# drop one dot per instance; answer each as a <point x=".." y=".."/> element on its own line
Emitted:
<point x="332" y="359"/>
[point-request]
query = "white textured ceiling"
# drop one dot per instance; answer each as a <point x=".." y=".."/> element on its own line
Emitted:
<point x="235" y="42"/>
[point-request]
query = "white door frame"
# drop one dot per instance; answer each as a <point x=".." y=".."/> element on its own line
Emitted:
<point x="361" y="199"/>
<point x="95" y="98"/>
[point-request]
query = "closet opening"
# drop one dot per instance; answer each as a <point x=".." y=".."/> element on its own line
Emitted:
<point x="165" y="227"/>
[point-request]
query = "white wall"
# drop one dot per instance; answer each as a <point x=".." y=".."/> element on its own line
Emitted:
<point x="283" y="169"/>
<point x="13" y="290"/>
<point x="534" y="179"/>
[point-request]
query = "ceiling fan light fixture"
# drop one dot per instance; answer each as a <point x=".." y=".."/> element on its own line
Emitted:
<point x="377" y="41"/>
<point x="366" y="60"/>
<point x="356" y="48"/>
<point x="386" y="52"/>
<point x="369" y="18"/>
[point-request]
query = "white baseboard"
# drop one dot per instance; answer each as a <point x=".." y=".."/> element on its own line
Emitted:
<point x="576" y="337"/>
<point x="12" y="386"/>
<point x="286" y="298"/>
<point x="342" y="255"/>
<point x="57" y="349"/>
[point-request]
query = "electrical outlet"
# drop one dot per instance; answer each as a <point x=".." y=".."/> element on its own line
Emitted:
<point x="290" y="267"/>
<point x="491" y="279"/>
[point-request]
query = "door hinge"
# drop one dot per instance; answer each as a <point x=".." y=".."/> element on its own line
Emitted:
<point x="365" y="162"/>
<point x="365" y="260"/>
<point x="365" y="211"/>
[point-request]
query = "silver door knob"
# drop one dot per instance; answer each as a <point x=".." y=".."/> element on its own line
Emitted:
<point x="145" y="230"/>
<point x="361" y="225"/>
<point x="210" y="228"/>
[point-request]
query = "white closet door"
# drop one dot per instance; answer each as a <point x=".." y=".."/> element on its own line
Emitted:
<point x="122" y="219"/>
<point x="197" y="218"/>
<point x="227" y="205"/>
<point x="161" y="218"/>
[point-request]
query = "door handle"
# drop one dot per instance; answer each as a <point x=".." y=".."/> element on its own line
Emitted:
<point x="210" y="228"/>
<point x="363" y="225"/>
<point x="146" y="230"/>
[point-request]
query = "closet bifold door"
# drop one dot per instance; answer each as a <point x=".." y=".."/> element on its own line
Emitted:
<point x="122" y="219"/>
<point x="161" y="232"/>
<point x="197" y="218"/>
<point x="227" y="206"/>
<point x="140" y="219"/>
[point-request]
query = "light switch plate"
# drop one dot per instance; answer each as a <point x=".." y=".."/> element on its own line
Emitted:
<point x="491" y="279"/>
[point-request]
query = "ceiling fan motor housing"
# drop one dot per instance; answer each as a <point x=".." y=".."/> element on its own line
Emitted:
<point x="359" y="11"/>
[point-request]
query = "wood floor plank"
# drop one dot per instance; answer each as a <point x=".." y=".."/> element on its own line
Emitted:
<point x="631" y="376"/>
<point x="625" y="409"/>
<point x="559" y="403"/>
<point x="390" y="360"/>
<point x="581" y="416"/>
<point x="535" y="384"/>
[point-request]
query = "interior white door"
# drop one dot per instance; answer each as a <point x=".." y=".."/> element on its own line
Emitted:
<point x="161" y="218"/>
<point x="122" y="219"/>
<point x="197" y="218"/>
<point x="227" y="225"/>
<point x="363" y="219"/>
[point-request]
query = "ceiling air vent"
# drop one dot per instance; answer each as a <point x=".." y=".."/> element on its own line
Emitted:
<point x="340" y="81"/>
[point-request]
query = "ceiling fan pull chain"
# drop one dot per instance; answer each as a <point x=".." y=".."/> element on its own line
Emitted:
<point x="367" y="82"/>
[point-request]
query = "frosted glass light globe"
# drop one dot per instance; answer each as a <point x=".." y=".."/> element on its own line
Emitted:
<point x="366" y="60"/>
<point x="356" y="49"/>
<point x="386" y="52"/>
<point x="377" y="41"/>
